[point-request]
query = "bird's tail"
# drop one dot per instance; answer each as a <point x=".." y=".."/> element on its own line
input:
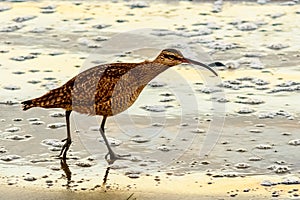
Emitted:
<point x="27" y="104"/>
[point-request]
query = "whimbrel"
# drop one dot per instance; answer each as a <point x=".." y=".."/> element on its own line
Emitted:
<point x="107" y="90"/>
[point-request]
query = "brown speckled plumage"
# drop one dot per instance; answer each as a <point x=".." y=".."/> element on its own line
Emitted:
<point x="106" y="89"/>
<point x="102" y="90"/>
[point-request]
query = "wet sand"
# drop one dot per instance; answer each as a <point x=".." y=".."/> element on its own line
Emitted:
<point x="236" y="136"/>
<point x="249" y="190"/>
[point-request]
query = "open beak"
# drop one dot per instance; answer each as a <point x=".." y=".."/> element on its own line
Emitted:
<point x="201" y="64"/>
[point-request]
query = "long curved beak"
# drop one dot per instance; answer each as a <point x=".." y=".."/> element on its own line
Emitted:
<point x="200" y="64"/>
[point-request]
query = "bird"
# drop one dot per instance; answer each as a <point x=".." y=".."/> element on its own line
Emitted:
<point x="107" y="90"/>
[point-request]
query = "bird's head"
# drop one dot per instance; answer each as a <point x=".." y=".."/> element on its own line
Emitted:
<point x="172" y="57"/>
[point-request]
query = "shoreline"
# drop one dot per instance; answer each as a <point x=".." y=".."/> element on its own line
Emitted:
<point x="172" y="188"/>
<point x="248" y="123"/>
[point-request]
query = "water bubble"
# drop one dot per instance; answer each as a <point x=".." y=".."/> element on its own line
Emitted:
<point x="13" y="129"/>
<point x="9" y="158"/>
<point x="294" y="142"/>
<point x="242" y="165"/>
<point x="56" y="125"/>
<point x="263" y="146"/>
<point x="30" y="178"/>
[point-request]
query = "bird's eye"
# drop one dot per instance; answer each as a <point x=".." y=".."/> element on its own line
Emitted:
<point x="172" y="57"/>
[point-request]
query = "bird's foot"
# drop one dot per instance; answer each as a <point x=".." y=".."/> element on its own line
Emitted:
<point x="65" y="148"/>
<point x="111" y="157"/>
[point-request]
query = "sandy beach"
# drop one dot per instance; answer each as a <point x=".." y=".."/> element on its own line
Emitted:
<point x="190" y="135"/>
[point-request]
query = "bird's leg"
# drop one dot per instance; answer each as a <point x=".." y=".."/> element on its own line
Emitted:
<point x="112" y="155"/>
<point x="68" y="140"/>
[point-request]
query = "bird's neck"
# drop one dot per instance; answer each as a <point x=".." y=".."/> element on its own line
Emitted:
<point x="149" y="70"/>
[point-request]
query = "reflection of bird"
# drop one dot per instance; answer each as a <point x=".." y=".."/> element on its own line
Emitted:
<point x="65" y="167"/>
<point x="107" y="90"/>
<point x="105" y="176"/>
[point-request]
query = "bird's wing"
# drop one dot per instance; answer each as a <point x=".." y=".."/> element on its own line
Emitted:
<point x="93" y="86"/>
<point x="97" y="84"/>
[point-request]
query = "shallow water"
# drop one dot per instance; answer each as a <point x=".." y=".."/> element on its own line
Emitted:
<point x="244" y="123"/>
